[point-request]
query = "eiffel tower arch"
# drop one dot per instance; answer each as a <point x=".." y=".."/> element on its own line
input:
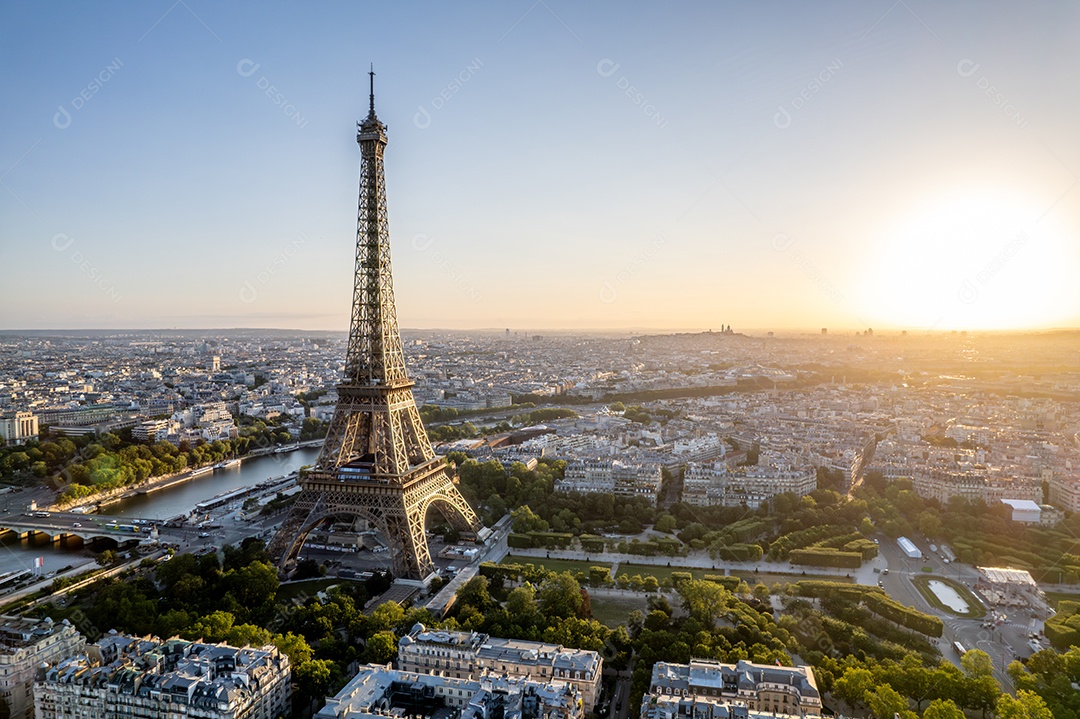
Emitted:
<point x="376" y="462"/>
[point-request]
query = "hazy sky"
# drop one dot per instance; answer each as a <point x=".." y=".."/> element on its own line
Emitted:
<point x="552" y="164"/>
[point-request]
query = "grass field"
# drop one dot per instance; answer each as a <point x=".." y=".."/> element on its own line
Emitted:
<point x="1055" y="597"/>
<point x="770" y="579"/>
<point x="975" y="607"/>
<point x="556" y="565"/>
<point x="288" y="592"/>
<point x="611" y="612"/>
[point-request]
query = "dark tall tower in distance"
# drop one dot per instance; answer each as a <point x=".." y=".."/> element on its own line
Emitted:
<point x="377" y="463"/>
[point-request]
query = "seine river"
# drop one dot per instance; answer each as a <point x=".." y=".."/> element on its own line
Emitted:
<point x="164" y="504"/>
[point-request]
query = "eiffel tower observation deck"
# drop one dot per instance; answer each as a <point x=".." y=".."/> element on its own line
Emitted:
<point x="376" y="463"/>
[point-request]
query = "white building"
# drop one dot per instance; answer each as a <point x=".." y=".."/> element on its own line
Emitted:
<point x="123" y="677"/>
<point x="378" y="691"/>
<point x="24" y="645"/>
<point x="613" y="477"/>
<point x="464" y="655"/>
<point x="719" y="486"/>
<point x="18" y="428"/>
<point x="759" y="688"/>
<point x="151" y="430"/>
<point x="1024" y="511"/>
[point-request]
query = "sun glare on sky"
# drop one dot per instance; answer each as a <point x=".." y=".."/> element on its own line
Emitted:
<point x="987" y="260"/>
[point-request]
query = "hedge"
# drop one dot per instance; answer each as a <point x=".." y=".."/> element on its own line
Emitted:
<point x="729" y="583"/>
<point x="826" y="558"/>
<point x="1063" y="629"/>
<point x="519" y="541"/>
<point x="552" y="540"/>
<point x="739" y="552"/>
<point x="905" y="616"/>
<point x="592" y="543"/>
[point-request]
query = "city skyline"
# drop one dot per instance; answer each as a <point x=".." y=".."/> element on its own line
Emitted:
<point x="848" y="167"/>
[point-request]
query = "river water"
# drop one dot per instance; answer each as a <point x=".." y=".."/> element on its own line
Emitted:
<point x="181" y="499"/>
<point x="164" y="504"/>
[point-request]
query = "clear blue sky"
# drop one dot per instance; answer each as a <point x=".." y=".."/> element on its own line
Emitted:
<point x="551" y="164"/>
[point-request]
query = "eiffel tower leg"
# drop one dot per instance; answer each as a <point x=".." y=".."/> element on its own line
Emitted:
<point x="405" y="531"/>
<point x="283" y="547"/>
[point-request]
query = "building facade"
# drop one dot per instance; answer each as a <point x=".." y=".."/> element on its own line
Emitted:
<point x="757" y="687"/>
<point x="716" y="485"/>
<point x="612" y="477"/>
<point x="18" y="428"/>
<point x="124" y="677"/>
<point x="974" y="486"/>
<point x="464" y="655"/>
<point x="24" y="645"/>
<point x="378" y="691"/>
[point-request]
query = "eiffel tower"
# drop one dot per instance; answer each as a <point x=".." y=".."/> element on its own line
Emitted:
<point x="376" y="463"/>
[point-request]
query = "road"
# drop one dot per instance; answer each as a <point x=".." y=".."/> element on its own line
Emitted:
<point x="1003" y="643"/>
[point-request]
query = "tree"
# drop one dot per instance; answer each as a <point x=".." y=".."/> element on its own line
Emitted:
<point x="381" y="647"/>
<point x="703" y="600"/>
<point x="106" y="558"/>
<point x="885" y="702"/>
<point x="294" y="646"/>
<point x="475" y="593"/>
<point x="648" y="584"/>
<point x="943" y="709"/>
<point x="1026" y="705"/>
<point x="666" y="524"/>
<point x="521" y="602"/>
<point x="977" y="663"/>
<point x="560" y="596"/>
<point x="313" y="678"/>
<point x="853" y="686"/>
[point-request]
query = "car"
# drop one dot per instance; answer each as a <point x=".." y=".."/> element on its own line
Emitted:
<point x="204" y="535"/>
<point x="76" y="524"/>
<point x="885" y="570"/>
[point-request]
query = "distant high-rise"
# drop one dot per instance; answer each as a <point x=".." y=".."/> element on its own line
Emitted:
<point x="376" y="463"/>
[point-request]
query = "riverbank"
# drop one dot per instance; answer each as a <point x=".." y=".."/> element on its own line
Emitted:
<point x="98" y="501"/>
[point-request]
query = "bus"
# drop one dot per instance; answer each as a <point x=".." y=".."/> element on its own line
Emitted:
<point x="960" y="651"/>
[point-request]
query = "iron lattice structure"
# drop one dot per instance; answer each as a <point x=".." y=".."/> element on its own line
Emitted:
<point x="376" y="463"/>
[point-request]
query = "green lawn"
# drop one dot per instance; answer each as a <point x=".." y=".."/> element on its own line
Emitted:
<point x="556" y="565"/>
<point x="975" y="607"/>
<point x="770" y="579"/>
<point x="309" y="587"/>
<point x="612" y="612"/>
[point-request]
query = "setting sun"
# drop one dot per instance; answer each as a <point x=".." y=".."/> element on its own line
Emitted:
<point x="973" y="261"/>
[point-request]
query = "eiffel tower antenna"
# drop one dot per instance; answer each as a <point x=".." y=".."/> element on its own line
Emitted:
<point x="376" y="463"/>
<point x="371" y="97"/>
